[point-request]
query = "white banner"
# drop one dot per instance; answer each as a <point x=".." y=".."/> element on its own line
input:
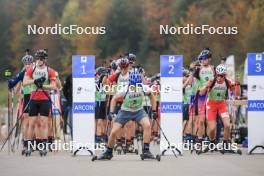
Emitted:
<point x="83" y="106"/>
<point x="230" y="64"/>
<point x="171" y="102"/>
<point x="245" y="78"/>
<point x="255" y="102"/>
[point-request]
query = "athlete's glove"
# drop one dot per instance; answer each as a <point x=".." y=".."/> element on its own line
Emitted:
<point x="154" y="115"/>
<point x="10" y="83"/>
<point x="111" y="115"/>
<point x="39" y="82"/>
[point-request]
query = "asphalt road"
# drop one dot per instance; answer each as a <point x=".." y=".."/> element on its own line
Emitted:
<point x="63" y="164"/>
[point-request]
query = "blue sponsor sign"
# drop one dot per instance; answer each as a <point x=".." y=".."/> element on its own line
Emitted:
<point x="171" y="65"/>
<point x="83" y="107"/>
<point x="83" y="66"/>
<point x="171" y="107"/>
<point x="255" y="64"/>
<point x="255" y="105"/>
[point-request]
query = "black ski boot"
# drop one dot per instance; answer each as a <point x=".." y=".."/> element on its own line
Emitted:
<point x="104" y="156"/>
<point x="27" y="152"/>
<point x="119" y="147"/>
<point x="43" y="152"/>
<point x="227" y="148"/>
<point x="198" y="145"/>
<point x="210" y="145"/>
<point x="131" y="149"/>
<point x="148" y="155"/>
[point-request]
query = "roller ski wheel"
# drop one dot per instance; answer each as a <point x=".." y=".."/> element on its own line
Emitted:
<point x="94" y="158"/>
<point x="27" y="152"/>
<point x="103" y="156"/>
<point x="136" y="151"/>
<point x="119" y="151"/>
<point x="149" y="155"/>
<point x="239" y="152"/>
<point x="23" y="152"/>
<point x="43" y="153"/>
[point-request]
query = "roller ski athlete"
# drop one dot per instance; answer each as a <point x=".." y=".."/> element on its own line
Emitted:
<point x="203" y="72"/>
<point x="189" y="91"/>
<point x="55" y="117"/>
<point x="120" y="79"/>
<point x="131" y="109"/>
<point x="27" y="61"/>
<point x="155" y="130"/>
<point x="100" y="104"/>
<point x="217" y="90"/>
<point x="42" y="79"/>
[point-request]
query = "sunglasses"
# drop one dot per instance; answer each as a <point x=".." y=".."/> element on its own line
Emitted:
<point x="27" y="63"/>
<point x="41" y="58"/>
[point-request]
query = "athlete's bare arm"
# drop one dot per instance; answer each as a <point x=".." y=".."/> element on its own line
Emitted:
<point x="50" y="86"/>
<point x="113" y="102"/>
<point x="153" y="102"/>
<point x="206" y="87"/>
<point x="27" y="80"/>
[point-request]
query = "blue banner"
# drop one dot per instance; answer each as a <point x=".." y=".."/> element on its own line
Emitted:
<point x="255" y="64"/>
<point x="83" y="107"/>
<point x="171" y="107"/>
<point x="83" y="66"/>
<point x="255" y="105"/>
<point x="171" y="65"/>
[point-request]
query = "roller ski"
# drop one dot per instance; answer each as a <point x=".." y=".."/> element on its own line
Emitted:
<point x="227" y="149"/>
<point x="104" y="156"/>
<point x="147" y="155"/>
<point x="43" y="152"/>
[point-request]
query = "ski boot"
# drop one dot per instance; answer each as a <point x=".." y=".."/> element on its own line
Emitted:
<point x="131" y="149"/>
<point x="198" y="145"/>
<point x="139" y="135"/>
<point x="27" y="152"/>
<point x="119" y="147"/>
<point x="51" y="140"/>
<point x="148" y="155"/>
<point x="104" y="156"/>
<point x="23" y="151"/>
<point x="43" y="152"/>
<point x="208" y="148"/>
<point x="227" y="148"/>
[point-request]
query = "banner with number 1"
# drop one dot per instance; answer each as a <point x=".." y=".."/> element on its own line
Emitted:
<point x="83" y="105"/>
